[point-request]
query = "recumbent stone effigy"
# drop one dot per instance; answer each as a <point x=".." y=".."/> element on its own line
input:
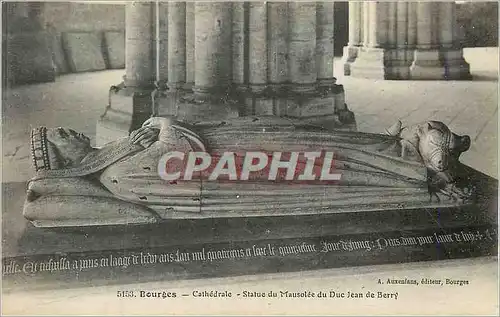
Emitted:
<point x="119" y="184"/>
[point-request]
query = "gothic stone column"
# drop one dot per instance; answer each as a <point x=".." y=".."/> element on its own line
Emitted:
<point x="356" y="20"/>
<point x="176" y="45"/>
<point x="257" y="41"/>
<point x="299" y="81"/>
<point x="426" y="64"/>
<point x="437" y="55"/>
<point x="241" y="58"/>
<point x="404" y="32"/>
<point x="130" y="102"/>
<point x="212" y="39"/>
<point x="371" y="58"/>
<point x="313" y="95"/>
<point x="239" y="46"/>
<point x="408" y="40"/>
<point x="324" y="44"/>
<point x="209" y="64"/>
<point x="190" y="60"/>
<point x="289" y="48"/>
<point x="455" y="66"/>
<point x="302" y="46"/>
<point x="162" y="46"/>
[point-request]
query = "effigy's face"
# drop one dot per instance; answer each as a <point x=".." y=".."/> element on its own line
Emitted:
<point x="69" y="143"/>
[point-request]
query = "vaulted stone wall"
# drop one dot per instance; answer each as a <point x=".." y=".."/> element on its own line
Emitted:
<point x="45" y="39"/>
<point x="26" y="48"/>
<point x="83" y="24"/>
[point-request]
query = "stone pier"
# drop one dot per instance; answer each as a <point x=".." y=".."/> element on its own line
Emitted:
<point x="131" y="102"/>
<point x="404" y="40"/>
<point x="221" y="60"/>
<point x="356" y="34"/>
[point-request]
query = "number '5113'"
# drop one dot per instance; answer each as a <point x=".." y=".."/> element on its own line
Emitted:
<point x="125" y="294"/>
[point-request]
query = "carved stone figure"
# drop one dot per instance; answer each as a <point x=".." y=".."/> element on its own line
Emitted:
<point x="78" y="185"/>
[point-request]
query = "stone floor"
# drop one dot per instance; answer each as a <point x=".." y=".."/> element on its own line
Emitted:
<point x="468" y="107"/>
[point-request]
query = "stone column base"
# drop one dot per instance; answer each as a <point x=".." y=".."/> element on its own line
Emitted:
<point x="188" y="106"/>
<point x="370" y="63"/>
<point x="404" y="64"/>
<point x="382" y="63"/>
<point x="398" y="63"/>
<point x="324" y="107"/>
<point x="427" y="65"/>
<point x="439" y="65"/>
<point x="128" y="108"/>
<point x="455" y="66"/>
<point x="348" y="57"/>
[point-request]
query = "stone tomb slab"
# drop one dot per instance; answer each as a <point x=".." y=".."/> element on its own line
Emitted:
<point x="115" y="49"/>
<point x="84" y="51"/>
<point x="186" y="249"/>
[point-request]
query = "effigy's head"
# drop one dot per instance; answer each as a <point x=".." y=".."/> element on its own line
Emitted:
<point x="438" y="146"/>
<point x="57" y="148"/>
